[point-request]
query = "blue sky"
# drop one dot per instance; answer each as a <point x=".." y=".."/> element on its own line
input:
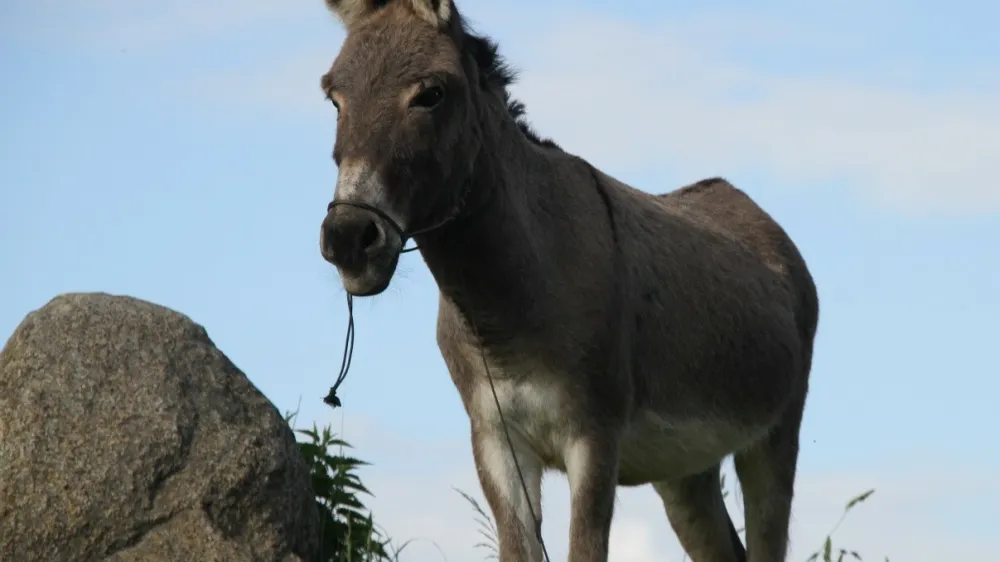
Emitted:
<point x="181" y="155"/>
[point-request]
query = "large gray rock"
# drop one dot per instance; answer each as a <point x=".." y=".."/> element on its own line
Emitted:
<point x="125" y="434"/>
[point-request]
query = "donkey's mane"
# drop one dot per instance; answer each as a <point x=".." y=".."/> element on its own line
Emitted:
<point x="496" y="73"/>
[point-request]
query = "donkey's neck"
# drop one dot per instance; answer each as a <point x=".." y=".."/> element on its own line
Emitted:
<point x="489" y="263"/>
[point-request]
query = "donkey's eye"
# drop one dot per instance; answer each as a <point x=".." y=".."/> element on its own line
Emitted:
<point x="428" y="98"/>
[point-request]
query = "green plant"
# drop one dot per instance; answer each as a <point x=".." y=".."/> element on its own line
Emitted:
<point x="828" y="553"/>
<point x="347" y="529"/>
<point x="486" y="528"/>
<point x="348" y="532"/>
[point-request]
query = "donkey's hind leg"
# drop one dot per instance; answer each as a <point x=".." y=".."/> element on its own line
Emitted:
<point x="699" y="518"/>
<point x="767" y="475"/>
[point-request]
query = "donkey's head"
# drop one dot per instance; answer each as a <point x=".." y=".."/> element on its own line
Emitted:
<point x="406" y="132"/>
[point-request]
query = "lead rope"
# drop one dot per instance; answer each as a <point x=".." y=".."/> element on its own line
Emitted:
<point x="332" y="399"/>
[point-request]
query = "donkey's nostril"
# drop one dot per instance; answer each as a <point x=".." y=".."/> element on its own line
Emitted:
<point x="349" y="239"/>
<point x="370" y="235"/>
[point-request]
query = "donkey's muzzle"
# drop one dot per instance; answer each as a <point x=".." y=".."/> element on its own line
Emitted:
<point x="361" y="246"/>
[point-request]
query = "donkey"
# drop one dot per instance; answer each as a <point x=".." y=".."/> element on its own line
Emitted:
<point x="619" y="337"/>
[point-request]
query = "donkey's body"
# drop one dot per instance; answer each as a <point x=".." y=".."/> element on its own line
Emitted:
<point x="706" y="351"/>
<point x="630" y="338"/>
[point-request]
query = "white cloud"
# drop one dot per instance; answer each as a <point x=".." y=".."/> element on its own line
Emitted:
<point x="700" y="107"/>
<point x="926" y="513"/>
<point x="684" y="96"/>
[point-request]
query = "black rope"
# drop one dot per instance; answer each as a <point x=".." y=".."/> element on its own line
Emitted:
<point x="332" y="399"/>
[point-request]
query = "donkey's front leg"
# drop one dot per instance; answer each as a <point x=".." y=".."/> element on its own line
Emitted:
<point x="514" y="514"/>
<point x="592" y="469"/>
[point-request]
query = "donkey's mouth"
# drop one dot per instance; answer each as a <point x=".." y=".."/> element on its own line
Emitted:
<point x="370" y="291"/>
<point x="372" y="278"/>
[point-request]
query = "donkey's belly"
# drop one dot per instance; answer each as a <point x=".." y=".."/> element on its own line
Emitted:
<point x="656" y="448"/>
<point x="653" y="447"/>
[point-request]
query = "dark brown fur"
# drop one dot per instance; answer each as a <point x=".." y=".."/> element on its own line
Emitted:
<point x="633" y="338"/>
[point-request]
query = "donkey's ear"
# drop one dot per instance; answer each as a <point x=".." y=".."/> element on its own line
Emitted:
<point x="437" y="12"/>
<point x="350" y="11"/>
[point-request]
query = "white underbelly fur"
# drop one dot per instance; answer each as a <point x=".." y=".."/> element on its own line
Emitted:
<point x="653" y="447"/>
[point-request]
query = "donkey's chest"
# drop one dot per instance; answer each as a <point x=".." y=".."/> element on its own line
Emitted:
<point x="536" y="411"/>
